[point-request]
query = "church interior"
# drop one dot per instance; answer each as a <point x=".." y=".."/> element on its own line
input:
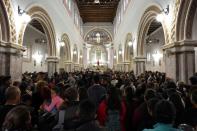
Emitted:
<point x="143" y="47"/>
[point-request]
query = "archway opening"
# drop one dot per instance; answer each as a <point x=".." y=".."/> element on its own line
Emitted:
<point x="98" y="55"/>
<point x="153" y="42"/>
<point x="75" y="54"/>
<point x="65" y="54"/>
<point x="35" y="41"/>
<point x="128" y="53"/>
<point x="81" y="58"/>
<point x="62" y="58"/>
<point x="98" y="42"/>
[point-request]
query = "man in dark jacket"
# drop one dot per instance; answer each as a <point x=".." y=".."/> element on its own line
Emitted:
<point x="96" y="92"/>
<point x="87" y="114"/>
<point x="191" y="113"/>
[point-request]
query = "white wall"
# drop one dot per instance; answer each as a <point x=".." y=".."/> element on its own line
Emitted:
<point x="153" y="65"/>
<point x="101" y="25"/>
<point x="29" y="40"/>
<point x="194" y="37"/>
<point x="194" y="28"/>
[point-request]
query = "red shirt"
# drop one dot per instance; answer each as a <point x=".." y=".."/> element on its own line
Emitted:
<point x="102" y="116"/>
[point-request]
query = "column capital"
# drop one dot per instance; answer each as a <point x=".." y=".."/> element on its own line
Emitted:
<point x="181" y="46"/>
<point x="68" y="62"/>
<point x="139" y="59"/>
<point x="52" y="59"/>
<point x="11" y="45"/>
<point x="10" y="48"/>
<point x="126" y="62"/>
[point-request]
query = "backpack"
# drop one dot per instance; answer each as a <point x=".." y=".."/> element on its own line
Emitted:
<point x="46" y="121"/>
<point x="113" y="120"/>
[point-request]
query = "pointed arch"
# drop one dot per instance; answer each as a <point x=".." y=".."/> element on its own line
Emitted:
<point x="128" y="48"/>
<point x="66" y="41"/>
<point x="4" y="24"/>
<point x="41" y="15"/>
<point x="148" y="17"/>
<point x="185" y="19"/>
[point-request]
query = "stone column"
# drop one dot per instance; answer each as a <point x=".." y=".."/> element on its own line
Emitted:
<point x="126" y="66"/>
<point x="139" y="65"/>
<point x="68" y="66"/>
<point x="11" y="60"/>
<point x="52" y="62"/>
<point x="195" y="59"/>
<point x="180" y="60"/>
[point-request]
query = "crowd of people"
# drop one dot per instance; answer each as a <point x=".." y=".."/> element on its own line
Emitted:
<point x="93" y="101"/>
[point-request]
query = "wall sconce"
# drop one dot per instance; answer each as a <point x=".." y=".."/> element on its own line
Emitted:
<point x="61" y="42"/>
<point x="81" y="56"/>
<point x="74" y="52"/>
<point x="115" y="57"/>
<point x="26" y="18"/>
<point x="130" y="43"/>
<point x="120" y="52"/>
<point x="167" y="10"/>
<point x="160" y="17"/>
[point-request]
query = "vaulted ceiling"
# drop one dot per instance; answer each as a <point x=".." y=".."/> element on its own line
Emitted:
<point x="153" y="27"/>
<point x="91" y="11"/>
<point x="36" y="24"/>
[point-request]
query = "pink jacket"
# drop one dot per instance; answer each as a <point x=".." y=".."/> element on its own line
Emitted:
<point x="56" y="103"/>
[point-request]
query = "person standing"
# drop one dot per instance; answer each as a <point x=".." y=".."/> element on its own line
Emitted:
<point x="96" y="92"/>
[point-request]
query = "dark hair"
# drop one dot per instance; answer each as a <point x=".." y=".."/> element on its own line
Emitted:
<point x="149" y="93"/>
<point x="55" y="89"/>
<point x="129" y="91"/>
<point x="164" y="112"/>
<point x="96" y="78"/>
<point x="152" y="103"/>
<point x="177" y="101"/>
<point x="82" y="93"/>
<point x="45" y="93"/>
<point x="17" y="118"/>
<point x="170" y="84"/>
<point x="193" y="80"/>
<point x="23" y="86"/>
<point x="16" y="83"/>
<point x="114" y="100"/>
<point x="6" y="78"/>
<point x="87" y="109"/>
<point x="71" y="94"/>
<point x="26" y="97"/>
<point x="194" y="96"/>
